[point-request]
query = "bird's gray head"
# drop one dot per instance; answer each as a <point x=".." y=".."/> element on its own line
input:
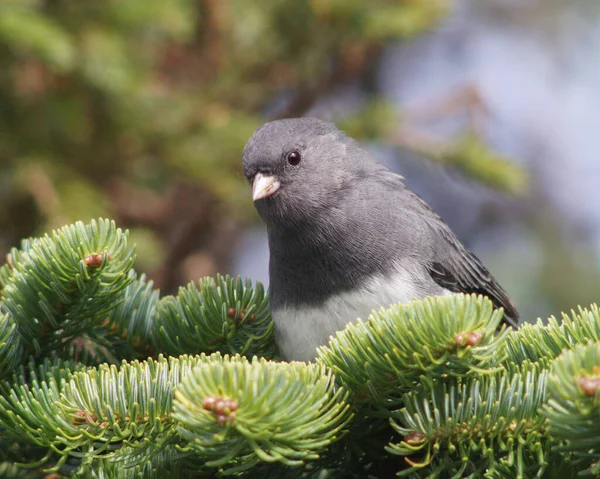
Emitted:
<point x="297" y="167"/>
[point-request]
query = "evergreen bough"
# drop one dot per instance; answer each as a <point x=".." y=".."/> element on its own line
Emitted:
<point x="102" y="378"/>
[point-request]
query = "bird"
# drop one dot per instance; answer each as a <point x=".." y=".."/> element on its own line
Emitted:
<point x="347" y="236"/>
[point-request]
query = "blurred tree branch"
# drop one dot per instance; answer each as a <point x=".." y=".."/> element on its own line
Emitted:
<point x="139" y="110"/>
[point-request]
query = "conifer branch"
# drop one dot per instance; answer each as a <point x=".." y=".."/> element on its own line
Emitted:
<point x="11" y="344"/>
<point x="128" y="463"/>
<point x="88" y="415"/>
<point x="13" y="257"/>
<point x="239" y="413"/>
<point x="131" y="325"/>
<point x="573" y="408"/>
<point x="487" y="425"/>
<point x="74" y="294"/>
<point x="63" y="285"/>
<point x="545" y="340"/>
<point x="469" y="399"/>
<point x="228" y="315"/>
<point x="89" y="418"/>
<point x="398" y="347"/>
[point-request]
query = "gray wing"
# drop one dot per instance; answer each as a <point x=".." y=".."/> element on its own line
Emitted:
<point x="450" y="264"/>
<point x="459" y="271"/>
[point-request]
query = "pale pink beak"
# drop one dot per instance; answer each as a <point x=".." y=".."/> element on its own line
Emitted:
<point x="264" y="186"/>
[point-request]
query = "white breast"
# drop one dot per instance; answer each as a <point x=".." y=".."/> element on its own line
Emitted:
<point x="299" y="331"/>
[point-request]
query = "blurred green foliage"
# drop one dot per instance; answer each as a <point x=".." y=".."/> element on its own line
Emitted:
<point x="139" y="110"/>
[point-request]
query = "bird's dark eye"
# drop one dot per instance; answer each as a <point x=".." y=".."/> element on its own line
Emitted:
<point x="294" y="157"/>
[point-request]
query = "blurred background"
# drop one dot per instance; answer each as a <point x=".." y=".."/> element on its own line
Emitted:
<point x="138" y="110"/>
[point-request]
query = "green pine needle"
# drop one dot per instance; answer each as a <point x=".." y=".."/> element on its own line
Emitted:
<point x="13" y="257"/>
<point x="64" y="284"/>
<point x="488" y="425"/>
<point x="134" y="318"/>
<point x="86" y="417"/>
<point x="89" y="415"/>
<point x="128" y="463"/>
<point x="399" y="346"/>
<point x="545" y="340"/>
<point x="470" y="399"/>
<point x="228" y="315"/>
<point x="11" y="344"/>
<point x="239" y="413"/>
<point x="573" y="408"/>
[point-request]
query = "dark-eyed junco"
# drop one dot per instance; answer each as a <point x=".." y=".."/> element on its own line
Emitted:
<point x="347" y="236"/>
